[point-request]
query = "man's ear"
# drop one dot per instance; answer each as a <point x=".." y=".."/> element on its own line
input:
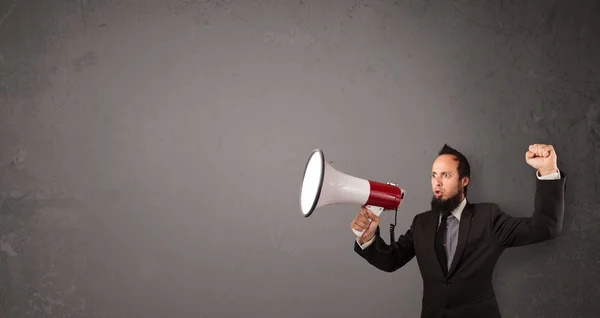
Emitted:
<point x="465" y="181"/>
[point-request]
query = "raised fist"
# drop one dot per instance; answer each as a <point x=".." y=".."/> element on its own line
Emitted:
<point x="542" y="157"/>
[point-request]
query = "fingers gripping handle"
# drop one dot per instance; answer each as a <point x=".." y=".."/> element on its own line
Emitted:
<point x="376" y="210"/>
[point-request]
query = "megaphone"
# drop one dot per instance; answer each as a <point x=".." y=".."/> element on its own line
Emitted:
<point x="323" y="185"/>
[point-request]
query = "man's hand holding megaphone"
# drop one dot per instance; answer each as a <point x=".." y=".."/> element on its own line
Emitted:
<point x="361" y="222"/>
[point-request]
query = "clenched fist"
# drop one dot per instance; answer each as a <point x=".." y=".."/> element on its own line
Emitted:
<point x="361" y="222"/>
<point x="542" y="157"/>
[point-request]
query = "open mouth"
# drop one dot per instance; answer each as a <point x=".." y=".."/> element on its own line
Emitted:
<point x="437" y="193"/>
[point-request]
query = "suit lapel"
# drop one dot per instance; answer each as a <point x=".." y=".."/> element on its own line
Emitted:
<point x="463" y="234"/>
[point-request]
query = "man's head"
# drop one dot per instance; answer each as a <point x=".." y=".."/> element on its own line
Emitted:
<point x="450" y="176"/>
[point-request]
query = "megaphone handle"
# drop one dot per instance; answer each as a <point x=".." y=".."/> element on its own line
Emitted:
<point x="376" y="210"/>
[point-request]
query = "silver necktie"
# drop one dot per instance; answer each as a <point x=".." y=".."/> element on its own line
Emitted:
<point x="451" y="238"/>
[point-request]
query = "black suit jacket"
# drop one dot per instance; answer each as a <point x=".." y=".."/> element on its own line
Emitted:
<point x="484" y="232"/>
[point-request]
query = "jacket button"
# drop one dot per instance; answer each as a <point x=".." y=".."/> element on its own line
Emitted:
<point x="447" y="284"/>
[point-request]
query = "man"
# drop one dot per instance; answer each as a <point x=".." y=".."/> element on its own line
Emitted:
<point x="457" y="243"/>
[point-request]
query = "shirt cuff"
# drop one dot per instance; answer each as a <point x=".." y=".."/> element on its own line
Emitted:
<point x="552" y="176"/>
<point x="367" y="244"/>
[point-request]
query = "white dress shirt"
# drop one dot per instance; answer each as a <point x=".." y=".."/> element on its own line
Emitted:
<point x="458" y="211"/>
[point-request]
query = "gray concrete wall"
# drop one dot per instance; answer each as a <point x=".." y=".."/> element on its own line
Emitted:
<point x="152" y="151"/>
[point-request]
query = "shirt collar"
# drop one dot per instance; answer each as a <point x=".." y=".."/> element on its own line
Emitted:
<point x="457" y="212"/>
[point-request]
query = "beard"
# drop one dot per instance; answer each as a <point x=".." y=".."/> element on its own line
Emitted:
<point x="446" y="205"/>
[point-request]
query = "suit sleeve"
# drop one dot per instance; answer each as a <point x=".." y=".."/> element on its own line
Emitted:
<point x="546" y="222"/>
<point x="385" y="257"/>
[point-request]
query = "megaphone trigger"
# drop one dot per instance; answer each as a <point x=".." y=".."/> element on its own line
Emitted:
<point x="376" y="210"/>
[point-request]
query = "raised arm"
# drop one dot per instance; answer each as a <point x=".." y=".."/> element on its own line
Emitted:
<point x="547" y="219"/>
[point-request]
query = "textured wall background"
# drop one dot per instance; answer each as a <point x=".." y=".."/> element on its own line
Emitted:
<point x="152" y="151"/>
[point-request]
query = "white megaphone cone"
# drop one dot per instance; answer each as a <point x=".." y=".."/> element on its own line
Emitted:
<point x="323" y="185"/>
